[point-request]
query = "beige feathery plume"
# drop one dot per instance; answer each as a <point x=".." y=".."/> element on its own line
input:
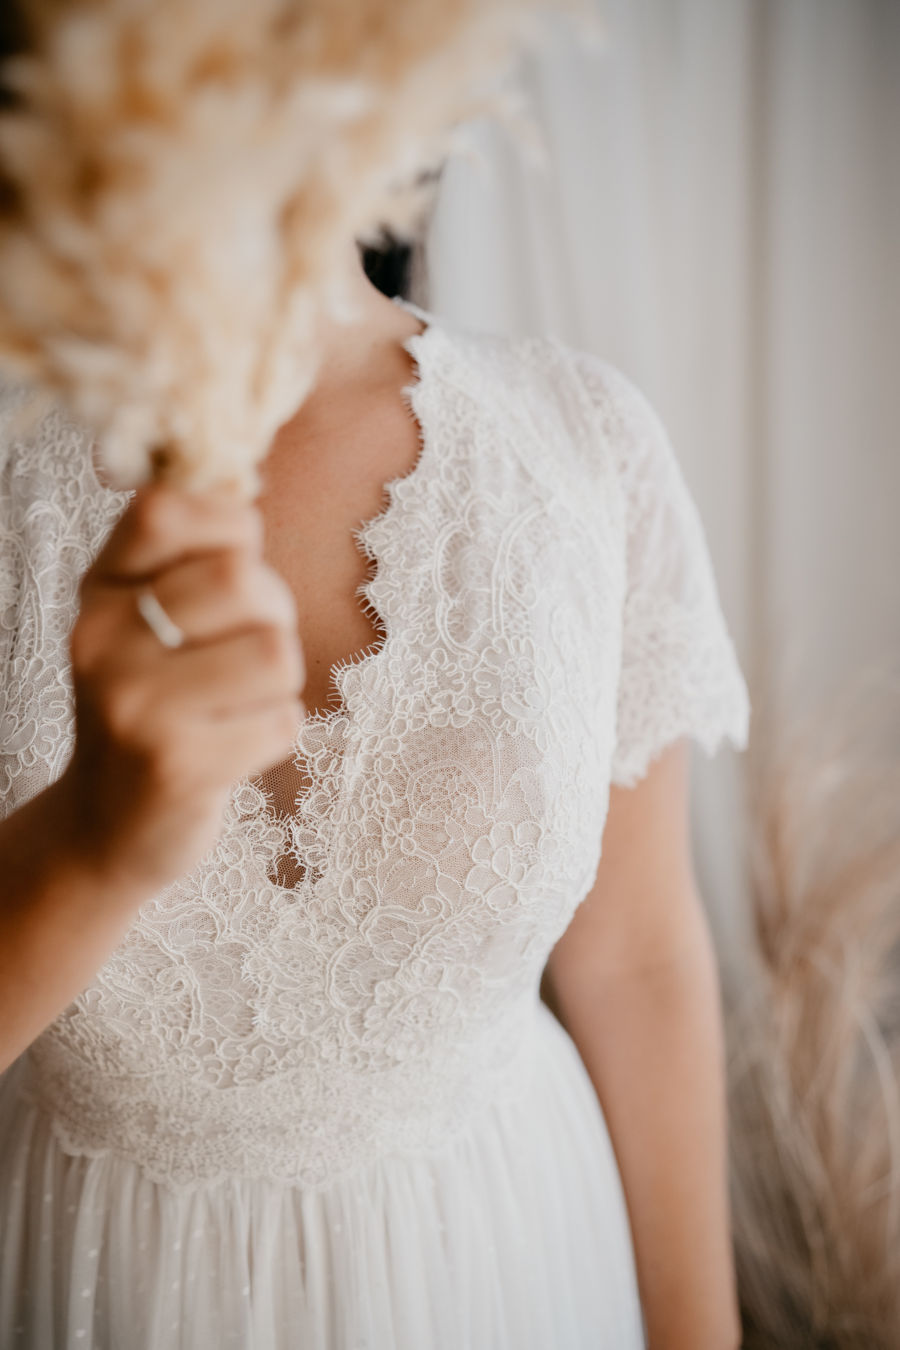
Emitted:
<point x="814" y="1049"/>
<point x="178" y="183"/>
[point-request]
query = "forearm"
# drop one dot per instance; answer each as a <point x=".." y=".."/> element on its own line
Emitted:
<point x="59" y="917"/>
<point x="652" y="1044"/>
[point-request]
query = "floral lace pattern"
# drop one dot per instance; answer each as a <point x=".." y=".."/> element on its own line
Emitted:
<point x="551" y="622"/>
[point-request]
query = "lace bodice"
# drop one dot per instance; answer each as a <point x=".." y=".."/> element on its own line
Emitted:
<point x="551" y="621"/>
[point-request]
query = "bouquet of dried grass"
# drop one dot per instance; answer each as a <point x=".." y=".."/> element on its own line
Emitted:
<point x="814" y="1050"/>
<point x="179" y="179"/>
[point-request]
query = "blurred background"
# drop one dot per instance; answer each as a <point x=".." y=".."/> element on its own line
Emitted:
<point x="719" y="216"/>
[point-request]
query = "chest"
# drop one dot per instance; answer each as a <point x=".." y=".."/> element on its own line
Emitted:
<point x="453" y="815"/>
<point x="322" y="481"/>
<point x="466" y="622"/>
<point x="459" y="620"/>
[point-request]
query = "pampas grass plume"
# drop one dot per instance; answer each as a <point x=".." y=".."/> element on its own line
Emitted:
<point x="179" y="180"/>
<point x="814" y="1042"/>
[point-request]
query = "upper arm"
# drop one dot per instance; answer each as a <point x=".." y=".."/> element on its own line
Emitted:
<point x="679" y="680"/>
<point x="643" y="909"/>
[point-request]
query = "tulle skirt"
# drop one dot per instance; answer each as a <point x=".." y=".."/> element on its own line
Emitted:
<point x="514" y="1237"/>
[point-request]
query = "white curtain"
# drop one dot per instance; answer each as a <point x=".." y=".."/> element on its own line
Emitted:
<point x="719" y="217"/>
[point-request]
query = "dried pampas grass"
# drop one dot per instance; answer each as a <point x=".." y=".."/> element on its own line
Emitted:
<point x="814" y="1050"/>
<point x="180" y="179"/>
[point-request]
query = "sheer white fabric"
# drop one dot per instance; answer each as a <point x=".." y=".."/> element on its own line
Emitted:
<point x="334" y="1113"/>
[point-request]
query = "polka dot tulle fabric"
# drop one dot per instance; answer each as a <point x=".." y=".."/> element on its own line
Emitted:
<point x="313" y="1098"/>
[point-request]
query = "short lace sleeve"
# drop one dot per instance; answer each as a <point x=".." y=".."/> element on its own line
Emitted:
<point x="53" y="518"/>
<point x="679" y="673"/>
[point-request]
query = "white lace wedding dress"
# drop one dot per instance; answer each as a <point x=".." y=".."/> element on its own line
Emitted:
<point x="334" y="1114"/>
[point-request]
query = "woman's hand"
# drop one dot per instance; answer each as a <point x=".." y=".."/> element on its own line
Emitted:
<point x="162" y="734"/>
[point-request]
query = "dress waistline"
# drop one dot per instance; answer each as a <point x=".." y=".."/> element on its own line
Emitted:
<point x="297" y="1127"/>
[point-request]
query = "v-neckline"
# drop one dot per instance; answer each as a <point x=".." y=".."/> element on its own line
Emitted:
<point x="411" y="394"/>
<point x="317" y="724"/>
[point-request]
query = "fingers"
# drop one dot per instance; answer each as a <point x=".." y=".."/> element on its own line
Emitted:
<point x="208" y="597"/>
<point x="206" y="755"/>
<point x="163" y="524"/>
<point x="211" y="595"/>
<point x="170" y="728"/>
<point x="145" y="703"/>
<point x="232" y="675"/>
<point x="202" y="556"/>
<point x="241" y="664"/>
<point x="256" y="740"/>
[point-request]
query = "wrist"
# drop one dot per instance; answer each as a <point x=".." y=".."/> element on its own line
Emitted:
<point x="67" y="850"/>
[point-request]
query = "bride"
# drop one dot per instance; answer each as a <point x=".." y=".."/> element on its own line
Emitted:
<point x="301" y="799"/>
